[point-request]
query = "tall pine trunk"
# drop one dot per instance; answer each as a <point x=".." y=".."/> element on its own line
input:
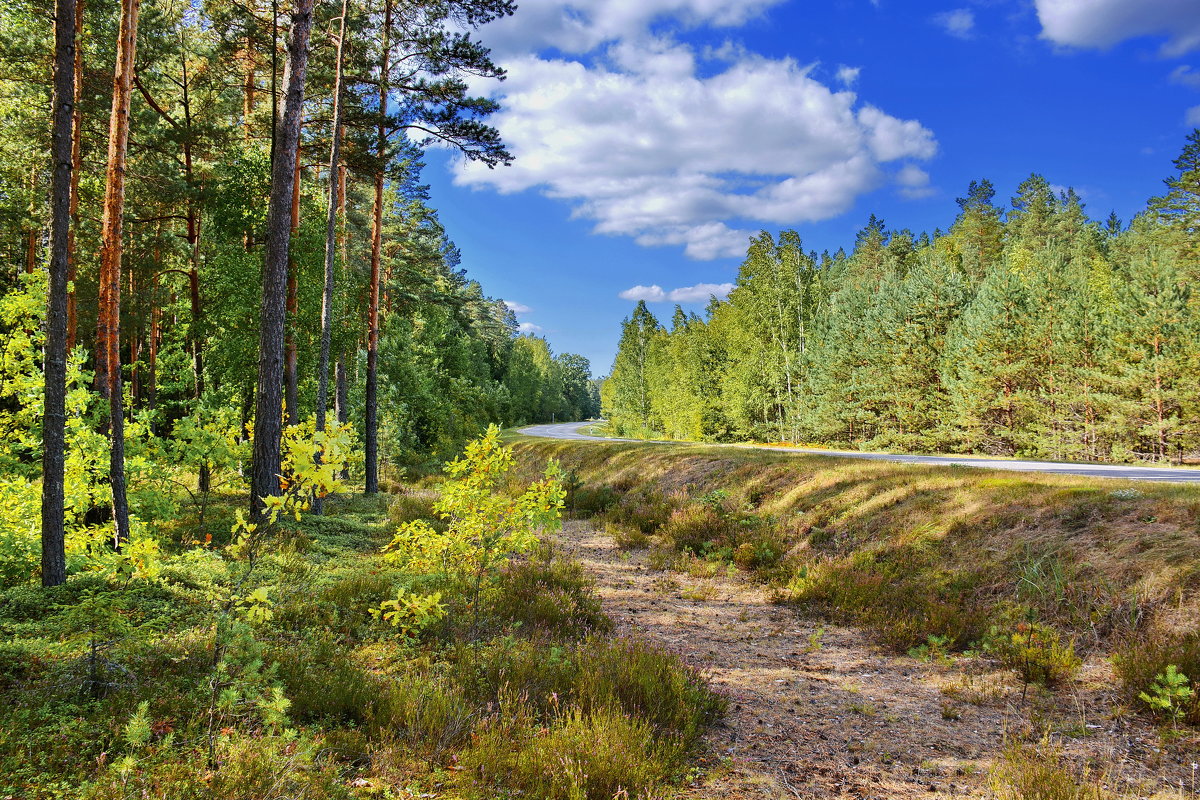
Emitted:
<point x="268" y="410"/>
<point x="54" y="561"/>
<point x="291" y="380"/>
<point x="335" y="157"/>
<point x="371" y="483"/>
<point x="76" y="168"/>
<point x="108" y="328"/>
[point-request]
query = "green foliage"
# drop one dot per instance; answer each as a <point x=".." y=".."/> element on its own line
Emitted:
<point x="485" y="528"/>
<point x="1169" y="695"/>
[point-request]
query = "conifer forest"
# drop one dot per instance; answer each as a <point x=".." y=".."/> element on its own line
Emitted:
<point x="1025" y="329"/>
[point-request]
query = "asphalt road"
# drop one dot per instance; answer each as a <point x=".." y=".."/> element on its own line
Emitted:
<point x="570" y="430"/>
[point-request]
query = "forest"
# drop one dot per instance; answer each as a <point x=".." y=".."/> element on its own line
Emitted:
<point x="1024" y="330"/>
<point x="150" y="235"/>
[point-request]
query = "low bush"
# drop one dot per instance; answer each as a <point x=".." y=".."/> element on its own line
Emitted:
<point x="627" y="537"/>
<point x="1037" y="772"/>
<point x="1140" y="663"/>
<point x="1038" y="653"/>
<point x="549" y="596"/>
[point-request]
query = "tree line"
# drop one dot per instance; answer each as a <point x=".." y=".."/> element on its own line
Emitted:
<point x="1027" y="330"/>
<point x="231" y="218"/>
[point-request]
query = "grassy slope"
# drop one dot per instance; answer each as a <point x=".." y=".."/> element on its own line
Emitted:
<point x="913" y="551"/>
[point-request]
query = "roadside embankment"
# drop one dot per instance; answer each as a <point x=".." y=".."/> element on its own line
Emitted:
<point x="1031" y="568"/>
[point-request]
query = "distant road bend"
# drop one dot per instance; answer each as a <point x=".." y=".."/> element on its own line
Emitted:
<point x="571" y="430"/>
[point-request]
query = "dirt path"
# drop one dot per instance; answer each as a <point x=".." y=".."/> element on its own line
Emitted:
<point x="817" y="711"/>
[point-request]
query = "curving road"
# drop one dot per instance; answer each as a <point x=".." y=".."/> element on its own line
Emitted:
<point x="570" y="430"/>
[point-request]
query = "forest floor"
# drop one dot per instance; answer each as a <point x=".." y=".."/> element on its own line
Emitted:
<point x="817" y="710"/>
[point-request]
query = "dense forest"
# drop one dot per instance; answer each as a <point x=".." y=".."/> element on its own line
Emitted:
<point x="1027" y="330"/>
<point x="231" y="222"/>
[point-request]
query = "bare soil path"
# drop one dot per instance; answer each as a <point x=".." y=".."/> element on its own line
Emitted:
<point x="816" y="710"/>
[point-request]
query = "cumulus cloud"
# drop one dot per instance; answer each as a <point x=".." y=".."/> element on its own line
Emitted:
<point x="517" y="308"/>
<point x="529" y="327"/>
<point x="848" y="76"/>
<point x="686" y="294"/>
<point x="959" y="23"/>
<point x="580" y="26"/>
<point x="1192" y="117"/>
<point x="1103" y="23"/>
<point x="652" y="142"/>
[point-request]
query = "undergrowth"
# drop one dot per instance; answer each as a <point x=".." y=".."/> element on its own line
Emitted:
<point x="513" y="685"/>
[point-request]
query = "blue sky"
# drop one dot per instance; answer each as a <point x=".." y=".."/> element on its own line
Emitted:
<point x="653" y="136"/>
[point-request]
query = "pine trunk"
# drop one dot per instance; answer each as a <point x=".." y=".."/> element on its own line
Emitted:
<point x="108" y="329"/>
<point x="371" y="483"/>
<point x="335" y="157"/>
<point x="268" y="420"/>
<point x="76" y="166"/>
<point x="291" y="355"/>
<point x="54" y="561"/>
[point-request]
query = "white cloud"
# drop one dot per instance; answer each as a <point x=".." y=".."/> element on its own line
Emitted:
<point x="529" y="327"/>
<point x="1103" y="23"/>
<point x="959" y="23"/>
<point x="517" y="308"/>
<point x="647" y="144"/>
<point x="848" y="76"/>
<point x="686" y="294"/>
<point x="1184" y="76"/>
<point x="580" y="26"/>
<point x="1192" y="117"/>
<point x="914" y="182"/>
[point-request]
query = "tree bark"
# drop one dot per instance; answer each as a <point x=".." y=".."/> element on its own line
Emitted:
<point x="331" y="216"/>
<point x="108" y="332"/>
<point x="76" y="168"/>
<point x="268" y="420"/>
<point x="54" y="560"/>
<point x="371" y="483"/>
<point x="335" y="156"/>
<point x="291" y="355"/>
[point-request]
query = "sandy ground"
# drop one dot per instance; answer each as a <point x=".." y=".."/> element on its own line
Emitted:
<point x="816" y="710"/>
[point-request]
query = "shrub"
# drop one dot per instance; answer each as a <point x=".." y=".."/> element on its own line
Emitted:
<point x="626" y="536"/>
<point x="1139" y="663"/>
<point x="588" y="501"/>
<point x="646" y="510"/>
<point x="696" y="528"/>
<point x="548" y="595"/>
<point x="428" y="714"/>
<point x="1038" y="653"/>
<point x="324" y="683"/>
<point x="1038" y="773"/>
<point x="649" y="683"/>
